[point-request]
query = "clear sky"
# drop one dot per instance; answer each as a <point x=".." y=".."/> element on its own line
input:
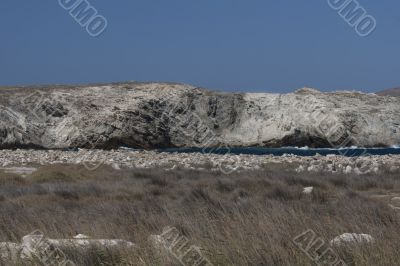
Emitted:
<point x="231" y="45"/>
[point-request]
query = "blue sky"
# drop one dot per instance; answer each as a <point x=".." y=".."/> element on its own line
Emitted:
<point x="231" y="45"/>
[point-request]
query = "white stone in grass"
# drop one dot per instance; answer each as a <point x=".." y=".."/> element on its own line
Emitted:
<point x="308" y="190"/>
<point x="396" y="202"/>
<point x="393" y="207"/>
<point x="396" y="199"/>
<point x="81" y="236"/>
<point x="116" y="166"/>
<point x="300" y="169"/>
<point x="22" y="171"/>
<point x="311" y="168"/>
<point x="348" y="169"/>
<point x="352" y="238"/>
<point x="357" y="171"/>
<point x="32" y="245"/>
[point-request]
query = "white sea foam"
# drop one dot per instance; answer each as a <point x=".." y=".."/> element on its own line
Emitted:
<point x="304" y="148"/>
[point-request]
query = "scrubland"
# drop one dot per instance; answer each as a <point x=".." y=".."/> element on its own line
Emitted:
<point x="245" y="218"/>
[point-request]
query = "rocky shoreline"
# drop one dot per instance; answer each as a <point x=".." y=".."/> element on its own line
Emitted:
<point x="160" y="115"/>
<point x="125" y="159"/>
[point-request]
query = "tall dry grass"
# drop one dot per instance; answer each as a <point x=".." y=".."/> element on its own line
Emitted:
<point x="247" y="218"/>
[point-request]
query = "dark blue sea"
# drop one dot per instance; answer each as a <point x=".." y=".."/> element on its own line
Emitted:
<point x="350" y="152"/>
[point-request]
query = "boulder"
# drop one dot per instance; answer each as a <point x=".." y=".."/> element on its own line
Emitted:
<point x="35" y="245"/>
<point x="308" y="190"/>
<point x="352" y="238"/>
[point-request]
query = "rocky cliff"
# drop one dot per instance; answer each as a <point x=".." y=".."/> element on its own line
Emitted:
<point x="160" y="115"/>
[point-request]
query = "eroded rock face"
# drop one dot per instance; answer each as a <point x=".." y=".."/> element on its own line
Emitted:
<point x="157" y="115"/>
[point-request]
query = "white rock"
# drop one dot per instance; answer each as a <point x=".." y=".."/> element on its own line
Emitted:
<point x="300" y="169"/>
<point x="82" y="243"/>
<point x="32" y="244"/>
<point x="81" y="236"/>
<point x="357" y="171"/>
<point x="348" y="169"/>
<point x="352" y="238"/>
<point x="116" y="166"/>
<point x="23" y="171"/>
<point x="311" y="168"/>
<point x="308" y="190"/>
<point x="393" y="207"/>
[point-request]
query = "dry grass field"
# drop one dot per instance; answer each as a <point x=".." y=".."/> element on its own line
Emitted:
<point x="247" y="218"/>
